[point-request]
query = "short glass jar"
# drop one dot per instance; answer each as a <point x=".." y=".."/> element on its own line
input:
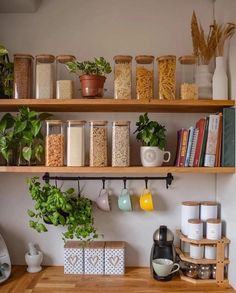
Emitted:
<point x="188" y="87"/>
<point x="123" y="77"/>
<point x="213" y="271"/>
<point x="44" y="76"/>
<point x="98" y="144"/>
<point x="65" y="82"/>
<point x="75" y="143"/>
<point x="192" y="271"/>
<point x="204" y="272"/>
<point x="55" y="140"/>
<point x="167" y="77"/>
<point x="23" y="76"/>
<point x="120" y="143"/>
<point x="144" y="77"/>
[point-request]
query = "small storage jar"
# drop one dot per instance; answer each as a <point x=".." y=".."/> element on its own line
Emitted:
<point x="204" y="272"/>
<point x="44" y="77"/>
<point x="167" y="77"/>
<point x="75" y="143"/>
<point x="98" y="144"/>
<point x="195" y="229"/>
<point x="123" y="77"/>
<point x="189" y="210"/>
<point x="144" y="77"/>
<point x="188" y="88"/>
<point x="209" y="210"/>
<point x="214" y="229"/>
<point x="55" y="140"/>
<point x="120" y="143"/>
<point x="23" y="76"/>
<point x="65" y="83"/>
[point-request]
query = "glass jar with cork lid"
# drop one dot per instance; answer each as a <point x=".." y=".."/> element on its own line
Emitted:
<point x="144" y="77"/>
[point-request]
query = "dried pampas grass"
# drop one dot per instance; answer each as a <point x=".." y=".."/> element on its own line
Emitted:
<point x="223" y="33"/>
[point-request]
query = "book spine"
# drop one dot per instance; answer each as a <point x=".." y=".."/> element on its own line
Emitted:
<point x="193" y="148"/>
<point x="183" y="147"/>
<point x="190" y="141"/>
<point x="201" y="126"/>
<point x="219" y="141"/>
<point x="204" y="143"/>
<point x="179" y="142"/>
<point x="228" y="143"/>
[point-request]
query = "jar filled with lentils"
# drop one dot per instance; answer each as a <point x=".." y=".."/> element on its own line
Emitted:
<point x="120" y="144"/>
<point x="98" y="144"/>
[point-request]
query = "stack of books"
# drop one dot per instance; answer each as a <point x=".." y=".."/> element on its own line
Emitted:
<point x="211" y="143"/>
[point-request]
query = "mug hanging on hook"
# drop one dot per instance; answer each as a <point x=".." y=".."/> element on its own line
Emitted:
<point x="103" y="201"/>
<point x="124" y="201"/>
<point x="146" y="201"/>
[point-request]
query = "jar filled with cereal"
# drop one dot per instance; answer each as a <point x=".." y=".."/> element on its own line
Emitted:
<point x="167" y="77"/>
<point x="55" y="140"/>
<point x="188" y="88"/>
<point x="98" y="144"/>
<point x="123" y="77"/>
<point x="144" y="77"/>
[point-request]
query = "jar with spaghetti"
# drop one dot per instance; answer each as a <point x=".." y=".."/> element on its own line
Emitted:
<point x="167" y="78"/>
<point x="188" y="88"/>
<point x="123" y="77"/>
<point x="64" y="79"/>
<point x="144" y="77"/>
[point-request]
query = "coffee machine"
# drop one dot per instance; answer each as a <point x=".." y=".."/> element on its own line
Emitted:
<point x="163" y="247"/>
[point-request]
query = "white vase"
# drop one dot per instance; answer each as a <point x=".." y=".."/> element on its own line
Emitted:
<point x="203" y="79"/>
<point x="220" y="80"/>
<point x="153" y="156"/>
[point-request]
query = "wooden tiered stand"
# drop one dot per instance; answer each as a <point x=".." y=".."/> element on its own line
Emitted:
<point x="220" y="260"/>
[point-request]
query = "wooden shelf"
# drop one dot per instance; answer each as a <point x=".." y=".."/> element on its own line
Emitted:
<point x="115" y="170"/>
<point x="113" y="105"/>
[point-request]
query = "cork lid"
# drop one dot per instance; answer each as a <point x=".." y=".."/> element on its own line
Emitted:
<point x="65" y="58"/>
<point x="166" y="57"/>
<point x="214" y="221"/>
<point x="122" y="58"/>
<point x="73" y="244"/>
<point x="187" y="59"/>
<point x="76" y="122"/>
<point x="144" y="59"/>
<point x="190" y="203"/>
<point x="115" y="244"/>
<point x="21" y="55"/>
<point x="208" y="203"/>
<point x="121" y="123"/>
<point x="45" y="58"/>
<point x="95" y="245"/>
<point x="195" y="221"/>
<point x="98" y="122"/>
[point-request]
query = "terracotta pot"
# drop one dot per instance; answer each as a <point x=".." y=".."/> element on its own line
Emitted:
<point x="92" y="85"/>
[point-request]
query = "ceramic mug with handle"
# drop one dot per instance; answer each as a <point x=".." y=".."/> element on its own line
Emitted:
<point x="102" y="201"/>
<point x="163" y="267"/>
<point x="124" y="201"/>
<point x="146" y="201"/>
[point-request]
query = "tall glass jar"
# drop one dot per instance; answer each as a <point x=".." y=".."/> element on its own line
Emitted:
<point x="188" y="87"/>
<point x="75" y="143"/>
<point x="120" y="144"/>
<point x="144" y="77"/>
<point x="123" y="77"/>
<point x="23" y="76"/>
<point x="98" y="144"/>
<point x="44" y="79"/>
<point x="166" y="77"/>
<point x="64" y="79"/>
<point x="55" y="141"/>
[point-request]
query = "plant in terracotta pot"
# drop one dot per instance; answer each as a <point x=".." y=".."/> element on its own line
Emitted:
<point x="152" y="135"/>
<point x="91" y="74"/>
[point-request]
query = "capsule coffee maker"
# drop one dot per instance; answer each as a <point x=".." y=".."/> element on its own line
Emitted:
<point x="163" y="247"/>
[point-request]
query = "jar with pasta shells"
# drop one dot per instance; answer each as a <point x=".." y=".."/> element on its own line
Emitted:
<point x="188" y="88"/>
<point x="144" y="77"/>
<point x="123" y="77"/>
<point x="167" y="77"/>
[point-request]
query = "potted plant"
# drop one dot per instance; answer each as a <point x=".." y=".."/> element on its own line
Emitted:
<point x="91" y="74"/>
<point x="152" y="135"/>
<point x="61" y="208"/>
<point x="6" y="74"/>
<point x="7" y="143"/>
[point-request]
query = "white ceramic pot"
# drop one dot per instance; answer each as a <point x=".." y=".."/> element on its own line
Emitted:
<point x="152" y="156"/>
<point x="220" y="81"/>
<point x="34" y="262"/>
<point x="203" y="79"/>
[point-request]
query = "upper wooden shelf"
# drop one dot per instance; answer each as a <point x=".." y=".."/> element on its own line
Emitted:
<point x="113" y="105"/>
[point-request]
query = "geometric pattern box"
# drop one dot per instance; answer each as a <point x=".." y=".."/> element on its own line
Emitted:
<point x="114" y="258"/>
<point x="73" y="257"/>
<point x="94" y="258"/>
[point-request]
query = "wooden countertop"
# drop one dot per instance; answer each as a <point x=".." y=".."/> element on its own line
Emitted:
<point x="136" y="280"/>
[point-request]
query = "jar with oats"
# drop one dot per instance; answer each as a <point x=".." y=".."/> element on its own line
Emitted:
<point x="44" y="76"/>
<point x="120" y="143"/>
<point x="55" y="140"/>
<point x="188" y="88"/>
<point x="98" y="144"/>
<point x="65" y="82"/>
<point x="167" y="77"/>
<point x="23" y="76"/>
<point x="144" y="77"/>
<point x="123" y="77"/>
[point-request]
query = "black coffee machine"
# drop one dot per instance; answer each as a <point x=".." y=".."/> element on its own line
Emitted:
<point x="163" y="247"/>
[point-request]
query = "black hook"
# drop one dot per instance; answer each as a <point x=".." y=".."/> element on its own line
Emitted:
<point x="124" y="180"/>
<point x="46" y="177"/>
<point x="79" y="190"/>
<point x="146" y="182"/>
<point x="56" y="182"/>
<point x="103" y="182"/>
<point x="169" y="179"/>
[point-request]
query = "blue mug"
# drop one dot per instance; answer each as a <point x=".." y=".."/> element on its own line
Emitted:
<point x="124" y="201"/>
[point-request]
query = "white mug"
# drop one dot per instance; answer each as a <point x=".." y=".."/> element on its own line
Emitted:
<point x="152" y="156"/>
<point x="164" y="267"/>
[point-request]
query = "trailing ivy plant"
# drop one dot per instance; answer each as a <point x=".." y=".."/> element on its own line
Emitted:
<point x="150" y="133"/>
<point x="61" y="208"/>
<point x="6" y="73"/>
<point x="7" y="143"/>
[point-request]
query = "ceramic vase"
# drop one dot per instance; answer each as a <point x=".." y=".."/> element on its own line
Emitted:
<point x="220" y="80"/>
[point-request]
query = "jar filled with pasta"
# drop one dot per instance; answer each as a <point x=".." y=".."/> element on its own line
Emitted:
<point x="144" y="77"/>
<point x="123" y="77"/>
<point x="166" y="77"/>
<point x="188" y="88"/>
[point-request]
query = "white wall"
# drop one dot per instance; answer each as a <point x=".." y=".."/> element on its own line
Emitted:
<point x="106" y="28"/>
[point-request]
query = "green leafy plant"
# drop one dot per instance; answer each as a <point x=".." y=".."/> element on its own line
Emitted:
<point x="61" y="208"/>
<point x="150" y="133"/>
<point x="7" y="145"/>
<point x="98" y="67"/>
<point x="6" y="72"/>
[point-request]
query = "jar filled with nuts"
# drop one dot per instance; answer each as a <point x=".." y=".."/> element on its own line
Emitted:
<point x="167" y="77"/>
<point x="98" y="144"/>
<point x="120" y="144"/>
<point x="123" y="77"/>
<point x="188" y="88"/>
<point x="144" y="77"/>
<point x="192" y="271"/>
<point x="55" y="140"/>
<point x="65" y="81"/>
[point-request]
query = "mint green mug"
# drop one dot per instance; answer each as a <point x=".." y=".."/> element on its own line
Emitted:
<point x="124" y="201"/>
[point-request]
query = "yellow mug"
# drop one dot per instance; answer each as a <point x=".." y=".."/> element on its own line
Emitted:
<point x="146" y="202"/>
